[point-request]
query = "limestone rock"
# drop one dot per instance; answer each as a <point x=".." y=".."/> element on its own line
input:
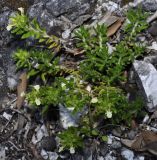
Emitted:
<point x="147" y="82"/>
<point x="58" y="15"/>
<point x="149" y="5"/>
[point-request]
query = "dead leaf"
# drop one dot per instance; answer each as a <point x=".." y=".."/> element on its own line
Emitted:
<point x="114" y="27"/>
<point x="21" y="90"/>
<point x="149" y="136"/>
<point x="145" y="141"/>
<point x="127" y="142"/>
<point x="74" y="51"/>
<point x="152" y="147"/>
<point x="108" y="19"/>
<point x="134" y="125"/>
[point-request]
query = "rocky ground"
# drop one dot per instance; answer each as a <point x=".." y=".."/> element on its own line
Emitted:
<point x="25" y="135"/>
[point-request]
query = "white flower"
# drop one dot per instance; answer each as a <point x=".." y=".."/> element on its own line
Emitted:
<point x="81" y="81"/>
<point x="109" y="114"/>
<point x="63" y="85"/>
<point x="50" y="64"/>
<point x="72" y="150"/>
<point x="22" y="94"/>
<point x="37" y="87"/>
<point x="94" y="100"/>
<point x="61" y="149"/>
<point x="36" y="65"/>
<point x="88" y="88"/>
<point x="9" y="27"/>
<point x="21" y="9"/>
<point x="37" y="101"/>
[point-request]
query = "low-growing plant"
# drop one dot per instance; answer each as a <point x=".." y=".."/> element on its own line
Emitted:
<point x="61" y="91"/>
<point x="20" y="24"/>
<point x="37" y="62"/>
<point x="71" y="138"/>
<point x="136" y="23"/>
<point x="99" y="65"/>
<point x="93" y="84"/>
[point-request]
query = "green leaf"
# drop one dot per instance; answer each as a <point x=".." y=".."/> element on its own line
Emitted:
<point x="26" y="35"/>
<point x="43" y="77"/>
<point x="31" y="73"/>
<point x="95" y="132"/>
<point x="41" y="40"/>
<point x="104" y="138"/>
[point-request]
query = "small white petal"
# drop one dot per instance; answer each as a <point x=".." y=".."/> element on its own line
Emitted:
<point x="21" y="9"/>
<point x="88" y="88"/>
<point x="9" y="27"/>
<point x="37" y="87"/>
<point x="60" y="149"/>
<point x="22" y="94"/>
<point x="36" y="65"/>
<point x="72" y="150"/>
<point x="109" y="114"/>
<point x="50" y="64"/>
<point x="37" y="101"/>
<point x="63" y="85"/>
<point x="94" y="100"/>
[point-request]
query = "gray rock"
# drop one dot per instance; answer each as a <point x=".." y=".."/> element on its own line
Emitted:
<point x="77" y="156"/>
<point x="3" y="75"/>
<point x="5" y="36"/>
<point x="151" y="59"/>
<point x="109" y="156"/>
<point x="58" y="15"/>
<point x="89" y="149"/>
<point x="127" y="154"/>
<point x="152" y="29"/>
<point x="103" y="149"/>
<point x="116" y="144"/>
<point x="69" y="119"/>
<point x="100" y="158"/>
<point x="66" y="117"/>
<point x="111" y="6"/>
<point x="48" y="143"/>
<point x="147" y="82"/>
<point x="12" y="75"/>
<point x="139" y="158"/>
<point x="2" y="153"/>
<point x="132" y="134"/>
<point x="49" y="155"/>
<point x="149" y="5"/>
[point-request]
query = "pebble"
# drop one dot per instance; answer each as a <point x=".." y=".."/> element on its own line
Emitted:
<point x="7" y="116"/>
<point x="2" y="153"/>
<point x="48" y="143"/>
<point x="149" y="5"/>
<point x="153" y="29"/>
<point x="66" y="34"/>
<point x="110" y="157"/>
<point x="41" y="132"/>
<point x="103" y="149"/>
<point x="140" y="158"/>
<point x="132" y="134"/>
<point x="127" y="154"/>
<point x="116" y="145"/>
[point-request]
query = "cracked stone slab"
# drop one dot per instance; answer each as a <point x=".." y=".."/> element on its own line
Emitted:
<point x="57" y="16"/>
<point x="147" y="81"/>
